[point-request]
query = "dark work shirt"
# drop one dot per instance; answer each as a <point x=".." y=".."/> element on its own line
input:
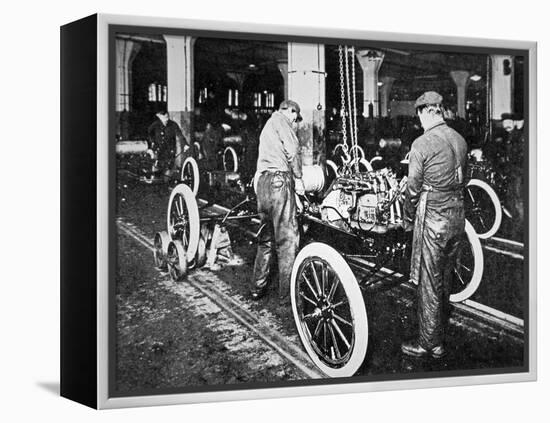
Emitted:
<point x="164" y="139"/>
<point x="434" y="164"/>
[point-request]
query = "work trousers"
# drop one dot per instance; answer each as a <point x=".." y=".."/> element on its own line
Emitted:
<point x="277" y="209"/>
<point x="442" y="234"/>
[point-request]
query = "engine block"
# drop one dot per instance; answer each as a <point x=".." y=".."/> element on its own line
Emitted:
<point x="369" y="200"/>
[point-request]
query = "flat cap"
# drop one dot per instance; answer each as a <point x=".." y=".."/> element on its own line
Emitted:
<point x="291" y="104"/>
<point x="429" y="97"/>
<point x="511" y="116"/>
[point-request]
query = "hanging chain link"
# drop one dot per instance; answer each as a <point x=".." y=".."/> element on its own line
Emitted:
<point x="342" y="100"/>
<point x="354" y="109"/>
<point x="350" y="112"/>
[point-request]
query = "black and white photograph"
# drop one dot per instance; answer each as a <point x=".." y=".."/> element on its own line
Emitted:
<point x="295" y="211"/>
<point x="287" y="211"/>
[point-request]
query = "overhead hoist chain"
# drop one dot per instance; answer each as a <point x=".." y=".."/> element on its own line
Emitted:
<point x="342" y="100"/>
<point x="347" y="95"/>
<point x="354" y="110"/>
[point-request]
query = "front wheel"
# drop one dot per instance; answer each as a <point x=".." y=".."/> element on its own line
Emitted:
<point x="329" y="310"/>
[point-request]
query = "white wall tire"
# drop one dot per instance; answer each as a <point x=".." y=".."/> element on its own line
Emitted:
<point x="483" y="208"/>
<point x="200" y="257"/>
<point x="333" y="313"/>
<point x="468" y="269"/>
<point x="160" y="251"/>
<point x="190" y="174"/>
<point x="230" y="160"/>
<point x="182" y="219"/>
<point x="177" y="261"/>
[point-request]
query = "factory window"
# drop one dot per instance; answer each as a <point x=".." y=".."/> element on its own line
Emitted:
<point x="258" y="100"/>
<point x="203" y="95"/>
<point x="270" y="100"/>
<point x="157" y="93"/>
<point x="264" y="100"/>
<point x="232" y="97"/>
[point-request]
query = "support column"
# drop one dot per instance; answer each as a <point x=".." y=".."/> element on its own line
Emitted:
<point x="385" y="91"/>
<point x="461" y="79"/>
<point x="370" y="61"/>
<point x="283" y="68"/>
<point x="181" y="81"/>
<point x="306" y="86"/>
<point x="126" y="51"/>
<point x="502" y="77"/>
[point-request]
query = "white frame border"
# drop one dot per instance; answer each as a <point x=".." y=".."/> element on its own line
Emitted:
<point x="103" y="401"/>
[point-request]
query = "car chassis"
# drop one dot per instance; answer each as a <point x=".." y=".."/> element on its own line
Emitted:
<point x="361" y="208"/>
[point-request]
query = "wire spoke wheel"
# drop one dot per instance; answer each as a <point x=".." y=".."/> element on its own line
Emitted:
<point x="483" y="208"/>
<point x="177" y="261"/>
<point x="183" y="219"/>
<point x="190" y="174"/>
<point x="230" y="160"/>
<point x="160" y="251"/>
<point x="468" y="267"/>
<point x="329" y="310"/>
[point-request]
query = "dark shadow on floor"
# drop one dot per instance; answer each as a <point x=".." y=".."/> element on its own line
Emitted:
<point x="52" y="387"/>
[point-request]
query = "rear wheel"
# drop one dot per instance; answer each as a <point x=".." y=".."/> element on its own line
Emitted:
<point x="200" y="257"/>
<point x="329" y="310"/>
<point x="190" y="174"/>
<point x="160" y="251"/>
<point x="230" y="160"/>
<point x="468" y="268"/>
<point x="483" y="208"/>
<point x="177" y="260"/>
<point x="183" y="219"/>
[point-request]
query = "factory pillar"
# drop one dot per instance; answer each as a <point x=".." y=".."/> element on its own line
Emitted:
<point x="306" y="86"/>
<point x="283" y="68"/>
<point x="126" y="51"/>
<point x="370" y="61"/>
<point x="501" y="85"/>
<point x="181" y="81"/>
<point x="385" y="90"/>
<point x="461" y="79"/>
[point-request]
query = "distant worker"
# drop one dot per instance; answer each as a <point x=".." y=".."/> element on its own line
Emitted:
<point x="279" y="178"/>
<point x="167" y="143"/>
<point x="434" y="201"/>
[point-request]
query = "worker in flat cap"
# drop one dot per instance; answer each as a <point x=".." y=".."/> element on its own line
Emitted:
<point x="167" y="144"/>
<point x="278" y="180"/>
<point x="434" y="202"/>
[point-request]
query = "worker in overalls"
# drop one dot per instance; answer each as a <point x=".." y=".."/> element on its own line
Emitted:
<point x="434" y="202"/>
<point x="279" y="179"/>
<point x="167" y="143"/>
